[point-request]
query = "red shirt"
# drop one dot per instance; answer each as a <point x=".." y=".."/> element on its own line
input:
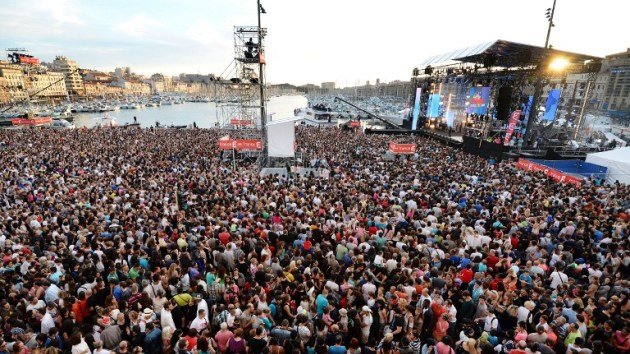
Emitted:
<point x="224" y="237"/>
<point x="492" y="261"/>
<point x="466" y="275"/>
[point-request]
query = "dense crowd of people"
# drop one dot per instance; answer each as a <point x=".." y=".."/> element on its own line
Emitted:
<point x="148" y="241"/>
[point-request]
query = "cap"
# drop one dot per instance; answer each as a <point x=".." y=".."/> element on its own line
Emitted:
<point x="366" y="309"/>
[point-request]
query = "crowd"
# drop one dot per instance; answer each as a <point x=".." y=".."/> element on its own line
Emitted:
<point x="148" y="241"/>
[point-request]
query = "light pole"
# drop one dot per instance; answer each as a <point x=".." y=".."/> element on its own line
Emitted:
<point x="261" y="82"/>
<point x="549" y="14"/>
<point x="533" y="110"/>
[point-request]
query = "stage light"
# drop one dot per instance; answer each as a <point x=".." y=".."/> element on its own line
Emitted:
<point x="559" y="64"/>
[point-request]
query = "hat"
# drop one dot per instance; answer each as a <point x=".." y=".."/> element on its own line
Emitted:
<point x="147" y="313"/>
<point x="366" y="309"/>
<point x="115" y="313"/>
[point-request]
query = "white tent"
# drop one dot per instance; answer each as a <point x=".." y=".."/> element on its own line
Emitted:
<point x="617" y="161"/>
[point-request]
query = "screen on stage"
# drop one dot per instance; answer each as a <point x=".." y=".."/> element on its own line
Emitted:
<point x="528" y="106"/>
<point x="416" y="109"/>
<point x="552" y="105"/>
<point x="281" y="138"/>
<point x="433" y="108"/>
<point x="450" y="119"/>
<point x="478" y="100"/>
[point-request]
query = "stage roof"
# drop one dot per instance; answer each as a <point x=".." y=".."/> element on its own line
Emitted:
<point x="507" y="54"/>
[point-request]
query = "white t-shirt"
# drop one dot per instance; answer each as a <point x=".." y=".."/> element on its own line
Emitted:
<point x="367" y="322"/>
<point x="47" y="323"/>
<point x="199" y="324"/>
<point x="558" y="278"/>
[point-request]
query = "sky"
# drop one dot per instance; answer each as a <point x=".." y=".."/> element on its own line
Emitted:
<point x="308" y="41"/>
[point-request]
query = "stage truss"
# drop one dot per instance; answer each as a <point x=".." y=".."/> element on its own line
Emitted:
<point x="237" y="90"/>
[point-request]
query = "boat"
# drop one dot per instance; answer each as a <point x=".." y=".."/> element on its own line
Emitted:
<point x="105" y="121"/>
<point x="26" y="122"/>
<point x="60" y="124"/>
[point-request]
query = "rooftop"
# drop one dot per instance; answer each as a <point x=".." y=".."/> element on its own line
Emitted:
<point x="503" y="53"/>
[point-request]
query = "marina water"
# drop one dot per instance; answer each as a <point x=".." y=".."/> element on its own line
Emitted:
<point x="203" y="114"/>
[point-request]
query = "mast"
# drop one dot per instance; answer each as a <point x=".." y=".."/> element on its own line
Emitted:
<point x="263" y="109"/>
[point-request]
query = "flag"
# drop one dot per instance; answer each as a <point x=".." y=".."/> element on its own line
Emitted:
<point x="262" y="9"/>
<point x="261" y="58"/>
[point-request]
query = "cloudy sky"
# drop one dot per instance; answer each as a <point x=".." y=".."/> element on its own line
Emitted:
<point x="309" y="41"/>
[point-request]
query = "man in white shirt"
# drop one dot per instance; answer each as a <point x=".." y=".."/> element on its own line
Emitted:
<point x="558" y="278"/>
<point x="52" y="293"/>
<point x="35" y="304"/>
<point x="200" y="322"/>
<point x="48" y="321"/>
<point x="491" y="323"/>
<point x="367" y="289"/>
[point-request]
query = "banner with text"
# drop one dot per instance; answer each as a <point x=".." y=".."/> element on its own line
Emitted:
<point x="511" y="126"/>
<point x="240" y="122"/>
<point x="402" y="149"/>
<point x="560" y="177"/>
<point x="240" y="144"/>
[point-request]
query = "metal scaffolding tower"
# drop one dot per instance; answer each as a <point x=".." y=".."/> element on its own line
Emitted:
<point x="237" y="89"/>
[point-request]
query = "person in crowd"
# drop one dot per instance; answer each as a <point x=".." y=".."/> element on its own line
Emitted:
<point x="147" y="241"/>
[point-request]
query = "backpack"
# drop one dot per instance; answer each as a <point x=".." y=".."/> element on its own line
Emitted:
<point x="220" y="318"/>
<point x="499" y="329"/>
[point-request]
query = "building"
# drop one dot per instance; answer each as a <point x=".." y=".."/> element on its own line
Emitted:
<point x="97" y="76"/>
<point x="73" y="79"/>
<point x="123" y="72"/>
<point x="132" y="86"/>
<point x="309" y="88"/>
<point x="48" y="86"/>
<point x="12" y="87"/>
<point x="328" y="86"/>
<point x="616" y="70"/>
<point x="102" y="89"/>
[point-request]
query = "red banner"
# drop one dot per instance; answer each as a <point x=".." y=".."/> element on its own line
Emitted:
<point x="355" y="124"/>
<point x="227" y="144"/>
<point x="31" y="121"/>
<point x="240" y="144"/>
<point x="28" y="60"/>
<point x="251" y="144"/>
<point x="241" y="122"/>
<point x="554" y="174"/>
<point x="402" y="149"/>
<point x="511" y="126"/>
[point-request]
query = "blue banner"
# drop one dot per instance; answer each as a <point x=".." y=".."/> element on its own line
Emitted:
<point x="450" y="119"/>
<point x="552" y="105"/>
<point x="478" y="100"/>
<point x="433" y="108"/>
<point x="528" y="106"/>
<point x="416" y="109"/>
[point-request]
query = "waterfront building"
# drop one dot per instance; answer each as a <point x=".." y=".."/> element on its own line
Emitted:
<point x="73" y="80"/>
<point x="330" y="86"/>
<point x="11" y="83"/>
<point x="616" y="71"/>
<point x="49" y="86"/>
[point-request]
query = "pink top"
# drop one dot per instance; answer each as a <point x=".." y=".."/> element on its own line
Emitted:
<point x="520" y="336"/>
<point x="222" y="338"/>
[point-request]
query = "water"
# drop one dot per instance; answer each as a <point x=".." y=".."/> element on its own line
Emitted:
<point x="204" y="114"/>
